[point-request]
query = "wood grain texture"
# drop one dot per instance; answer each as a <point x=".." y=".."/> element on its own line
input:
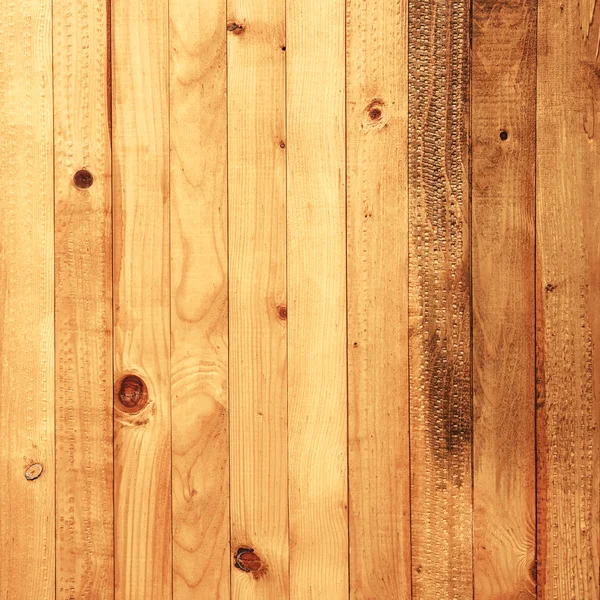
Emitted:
<point x="316" y="224"/>
<point x="83" y="303"/>
<point x="143" y="550"/>
<point x="568" y="269"/>
<point x="503" y="207"/>
<point x="439" y="295"/>
<point x="199" y="337"/>
<point x="257" y="306"/>
<point x="27" y="553"/>
<point x="377" y="191"/>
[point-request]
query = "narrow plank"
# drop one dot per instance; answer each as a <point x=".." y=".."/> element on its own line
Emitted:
<point x="198" y="181"/>
<point x="257" y="308"/>
<point x="143" y="548"/>
<point x="27" y="557"/>
<point x="317" y="337"/>
<point x="377" y="188"/>
<point x="568" y="287"/>
<point x="83" y="302"/>
<point x="439" y="297"/>
<point x="503" y="207"/>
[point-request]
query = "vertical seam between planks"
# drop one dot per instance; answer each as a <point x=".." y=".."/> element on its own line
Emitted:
<point x="290" y="313"/>
<point x="470" y="221"/>
<point x="348" y="512"/>
<point x="229" y="549"/>
<point x="535" y="287"/>
<point x="408" y="249"/>
<point x="168" y="54"/>
<point x="54" y="294"/>
<point x="112" y="298"/>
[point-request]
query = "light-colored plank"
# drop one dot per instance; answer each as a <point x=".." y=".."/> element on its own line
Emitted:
<point x="143" y="549"/>
<point x="26" y="302"/>
<point x="439" y="293"/>
<point x="317" y="300"/>
<point x="83" y="309"/>
<point x="257" y="287"/>
<point x="377" y="101"/>
<point x="568" y="287"/>
<point x="198" y="180"/>
<point x="503" y="206"/>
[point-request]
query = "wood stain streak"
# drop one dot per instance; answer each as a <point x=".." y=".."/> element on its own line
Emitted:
<point x="440" y="359"/>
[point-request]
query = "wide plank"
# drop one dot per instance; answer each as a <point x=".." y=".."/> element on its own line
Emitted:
<point x="199" y="319"/>
<point x="27" y="556"/>
<point x="377" y="192"/>
<point x="503" y="210"/>
<point x="83" y="302"/>
<point x="568" y="296"/>
<point x="439" y="298"/>
<point x="142" y="411"/>
<point x="316" y="225"/>
<point x="257" y="299"/>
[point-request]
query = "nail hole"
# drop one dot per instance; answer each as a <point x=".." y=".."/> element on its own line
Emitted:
<point x="83" y="179"/>
<point x="282" y="145"/>
<point x="283" y="48"/>
<point x="131" y="394"/>
<point x="504" y="135"/>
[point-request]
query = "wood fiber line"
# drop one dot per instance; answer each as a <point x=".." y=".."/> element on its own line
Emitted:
<point x="27" y="554"/>
<point x="439" y="296"/>
<point x="199" y="338"/>
<point x="257" y="299"/>
<point x="377" y="192"/>
<point x="142" y="429"/>
<point x="503" y="206"/>
<point x="318" y="435"/>
<point x="568" y="292"/>
<point x="83" y="303"/>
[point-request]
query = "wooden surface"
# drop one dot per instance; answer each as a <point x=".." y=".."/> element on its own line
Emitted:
<point x="299" y="300"/>
<point x="503" y="275"/>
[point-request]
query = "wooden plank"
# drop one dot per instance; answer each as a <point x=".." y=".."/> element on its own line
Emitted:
<point x="439" y="296"/>
<point x="83" y="302"/>
<point x="198" y="179"/>
<point x="317" y="300"/>
<point x="143" y="549"/>
<point x="377" y="188"/>
<point x="257" y="284"/>
<point x="568" y="270"/>
<point x="503" y="207"/>
<point x="27" y="558"/>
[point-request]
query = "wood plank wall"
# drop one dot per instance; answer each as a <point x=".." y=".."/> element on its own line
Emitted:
<point x="299" y="300"/>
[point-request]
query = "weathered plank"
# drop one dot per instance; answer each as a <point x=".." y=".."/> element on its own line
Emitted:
<point x="83" y="302"/>
<point x="377" y="191"/>
<point x="439" y="297"/>
<point x="26" y="302"/>
<point x="257" y="307"/>
<point x="143" y="552"/>
<point x="503" y="207"/>
<point x="198" y="181"/>
<point x="568" y="287"/>
<point x="317" y="300"/>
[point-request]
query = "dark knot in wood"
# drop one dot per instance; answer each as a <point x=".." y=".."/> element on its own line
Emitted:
<point x="33" y="472"/>
<point x="235" y="28"/>
<point x="83" y="179"/>
<point x="131" y="394"/>
<point x="248" y="561"/>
